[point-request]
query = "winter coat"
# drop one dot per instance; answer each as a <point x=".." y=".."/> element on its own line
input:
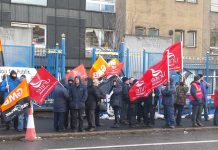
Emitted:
<point x="204" y="88"/>
<point x="116" y="97"/>
<point x="93" y="97"/>
<point x="181" y="92"/>
<point x="79" y="96"/>
<point x="168" y="94"/>
<point x="149" y="99"/>
<point x="12" y="85"/>
<point x="125" y="94"/>
<point x="61" y="97"/>
<point x="197" y="100"/>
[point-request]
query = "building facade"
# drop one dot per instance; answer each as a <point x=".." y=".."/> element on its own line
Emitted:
<point x="86" y="23"/>
<point x="195" y="22"/>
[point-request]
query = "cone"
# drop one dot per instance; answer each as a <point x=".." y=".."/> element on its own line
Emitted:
<point x="30" y="131"/>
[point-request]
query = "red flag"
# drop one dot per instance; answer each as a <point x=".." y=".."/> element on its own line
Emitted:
<point x="78" y="71"/>
<point x="175" y="56"/>
<point x="41" y="85"/>
<point x="152" y="78"/>
<point x="114" y="69"/>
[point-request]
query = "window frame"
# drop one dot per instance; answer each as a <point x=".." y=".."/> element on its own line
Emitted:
<point x="182" y="37"/>
<point x="32" y="25"/>
<point x="27" y="3"/>
<point x="214" y="5"/>
<point x="158" y="32"/>
<point x="189" y="1"/>
<point x="140" y="28"/>
<point x="101" y="4"/>
<point x="194" y="38"/>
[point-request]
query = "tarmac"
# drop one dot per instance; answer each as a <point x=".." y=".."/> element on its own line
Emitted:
<point x="44" y="128"/>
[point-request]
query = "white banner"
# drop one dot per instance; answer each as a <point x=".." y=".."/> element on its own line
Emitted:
<point x="28" y="72"/>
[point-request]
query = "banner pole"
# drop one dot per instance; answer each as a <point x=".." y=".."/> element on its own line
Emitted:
<point x="182" y="58"/>
<point x="168" y="66"/>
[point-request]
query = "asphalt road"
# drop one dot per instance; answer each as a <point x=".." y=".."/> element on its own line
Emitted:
<point x="173" y="140"/>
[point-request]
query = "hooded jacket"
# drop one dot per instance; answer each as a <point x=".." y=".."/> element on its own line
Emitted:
<point x="93" y="95"/>
<point x="13" y="83"/>
<point x="168" y="93"/>
<point x="79" y="96"/>
<point x="61" y="97"/>
<point x="116" y="97"/>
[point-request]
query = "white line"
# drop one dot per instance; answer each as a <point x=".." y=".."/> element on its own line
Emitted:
<point x="138" y="145"/>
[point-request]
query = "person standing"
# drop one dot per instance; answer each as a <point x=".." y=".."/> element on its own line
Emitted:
<point x="8" y="85"/>
<point x="204" y="88"/>
<point x="61" y="96"/>
<point x="180" y="101"/>
<point x="196" y="101"/>
<point x="125" y="101"/>
<point x="168" y="94"/>
<point x="97" y="110"/>
<point x="93" y="98"/>
<point x="23" y="118"/>
<point x="115" y="101"/>
<point x="69" y="87"/>
<point x="132" y="110"/>
<point x="150" y="103"/>
<point x="77" y="104"/>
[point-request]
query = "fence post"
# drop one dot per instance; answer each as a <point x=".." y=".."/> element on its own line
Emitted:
<point x="48" y="55"/>
<point x="127" y="63"/>
<point x="122" y="51"/>
<point x="56" y="60"/>
<point x="207" y="65"/>
<point x="63" y="56"/>
<point x="93" y="55"/>
<point x="33" y="55"/>
<point x="144" y="60"/>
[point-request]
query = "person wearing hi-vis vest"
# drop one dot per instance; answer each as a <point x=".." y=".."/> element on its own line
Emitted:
<point x="196" y="101"/>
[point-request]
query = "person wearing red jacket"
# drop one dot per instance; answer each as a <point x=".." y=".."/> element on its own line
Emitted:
<point x="215" y="120"/>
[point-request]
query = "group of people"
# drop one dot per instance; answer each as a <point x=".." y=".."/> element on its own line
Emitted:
<point x="77" y="98"/>
<point x="8" y="84"/>
<point x="74" y="97"/>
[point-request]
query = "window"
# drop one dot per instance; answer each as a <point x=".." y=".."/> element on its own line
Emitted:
<point x="179" y="36"/>
<point x="214" y="5"/>
<point x="214" y="38"/>
<point x="31" y="2"/>
<point x="139" y="31"/>
<point x="39" y="32"/>
<point x="191" y="35"/>
<point x="180" y="0"/>
<point x="153" y="32"/>
<point x="101" y="5"/>
<point x="191" y="1"/>
<point x="98" y="38"/>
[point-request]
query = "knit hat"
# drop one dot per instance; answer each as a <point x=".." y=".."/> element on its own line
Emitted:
<point x="124" y="79"/>
<point x="196" y="78"/>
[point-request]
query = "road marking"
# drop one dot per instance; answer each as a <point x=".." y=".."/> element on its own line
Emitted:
<point x="137" y="145"/>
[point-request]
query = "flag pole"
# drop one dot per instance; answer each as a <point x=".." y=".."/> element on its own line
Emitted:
<point x="182" y="58"/>
<point x="168" y="65"/>
<point x="6" y="78"/>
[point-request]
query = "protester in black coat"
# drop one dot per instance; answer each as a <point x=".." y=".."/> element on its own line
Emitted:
<point x="61" y="97"/>
<point x="77" y="104"/>
<point x="150" y="103"/>
<point x="69" y="87"/>
<point x="93" y="98"/>
<point x="115" y="101"/>
<point x="125" y="100"/>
